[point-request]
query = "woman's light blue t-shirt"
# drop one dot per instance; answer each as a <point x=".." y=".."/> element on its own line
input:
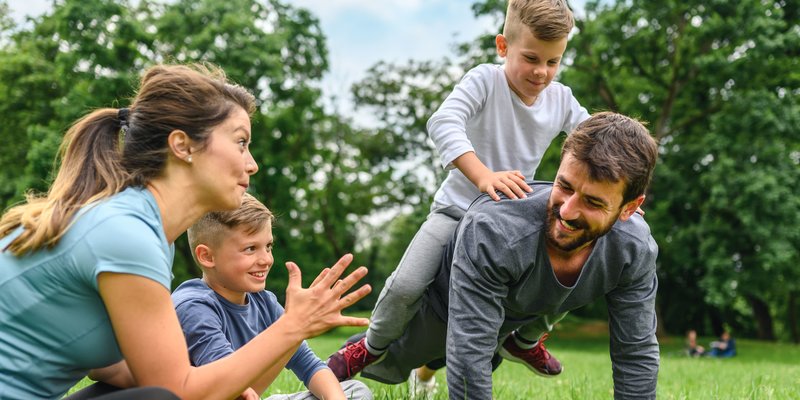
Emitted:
<point x="53" y="324"/>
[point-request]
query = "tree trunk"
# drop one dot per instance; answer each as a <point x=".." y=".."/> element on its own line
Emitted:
<point x="717" y="325"/>
<point x="763" y="318"/>
<point x="794" y="330"/>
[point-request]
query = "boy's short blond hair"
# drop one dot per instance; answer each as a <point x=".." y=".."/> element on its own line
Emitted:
<point x="547" y="20"/>
<point x="212" y="227"/>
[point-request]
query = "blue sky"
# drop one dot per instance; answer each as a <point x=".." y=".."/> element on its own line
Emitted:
<point x="363" y="32"/>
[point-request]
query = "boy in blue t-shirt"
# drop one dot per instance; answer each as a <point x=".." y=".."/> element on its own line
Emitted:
<point x="229" y="306"/>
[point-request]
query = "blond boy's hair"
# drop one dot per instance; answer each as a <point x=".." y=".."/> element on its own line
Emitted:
<point x="212" y="227"/>
<point x="547" y="20"/>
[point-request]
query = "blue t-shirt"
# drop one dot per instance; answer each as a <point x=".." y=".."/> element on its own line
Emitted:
<point x="214" y="327"/>
<point x="54" y="326"/>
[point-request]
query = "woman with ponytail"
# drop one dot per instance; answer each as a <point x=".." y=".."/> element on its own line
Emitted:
<point x="85" y="271"/>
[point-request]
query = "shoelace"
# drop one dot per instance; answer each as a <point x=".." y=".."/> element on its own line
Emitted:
<point x="354" y="352"/>
<point x="539" y="349"/>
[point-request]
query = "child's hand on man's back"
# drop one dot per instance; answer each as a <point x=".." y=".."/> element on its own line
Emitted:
<point x="510" y="183"/>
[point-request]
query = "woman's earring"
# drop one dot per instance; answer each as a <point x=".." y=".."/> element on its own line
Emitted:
<point x="189" y="159"/>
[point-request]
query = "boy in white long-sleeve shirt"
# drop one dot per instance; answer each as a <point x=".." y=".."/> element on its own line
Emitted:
<point x="496" y="124"/>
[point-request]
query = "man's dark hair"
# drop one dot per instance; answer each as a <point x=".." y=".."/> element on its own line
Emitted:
<point x="615" y="148"/>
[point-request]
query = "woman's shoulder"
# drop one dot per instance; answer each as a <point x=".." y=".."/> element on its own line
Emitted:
<point x="135" y="201"/>
<point x="122" y="229"/>
<point x="131" y="209"/>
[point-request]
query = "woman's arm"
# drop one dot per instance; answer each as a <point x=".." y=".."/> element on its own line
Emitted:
<point x="263" y="382"/>
<point x="151" y="340"/>
<point x="118" y="375"/>
<point x="324" y="385"/>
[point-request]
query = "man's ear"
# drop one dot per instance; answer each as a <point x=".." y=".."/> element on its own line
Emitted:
<point x="501" y="45"/>
<point x="630" y="208"/>
<point x="204" y="255"/>
<point x="180" y="144"/>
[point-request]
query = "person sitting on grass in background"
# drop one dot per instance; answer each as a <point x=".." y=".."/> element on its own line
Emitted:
<point x="498" y="121"/>
<point x="692" y="348"/>
<point x="562" y="247"/>
<point x="229" y="306"/>
<point x="724" y="347"/>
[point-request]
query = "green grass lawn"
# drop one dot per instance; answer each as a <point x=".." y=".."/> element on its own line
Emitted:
<point x="759" y="371"/>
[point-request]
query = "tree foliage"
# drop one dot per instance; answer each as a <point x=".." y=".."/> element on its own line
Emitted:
<point x="718" y="83"/>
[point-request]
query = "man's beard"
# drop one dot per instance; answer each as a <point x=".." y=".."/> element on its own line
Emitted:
<point x="587" y="235"/>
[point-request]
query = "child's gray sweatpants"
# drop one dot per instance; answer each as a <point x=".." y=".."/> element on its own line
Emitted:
<point x="400" y="298"/>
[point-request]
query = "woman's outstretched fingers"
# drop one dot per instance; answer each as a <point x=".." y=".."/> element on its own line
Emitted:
<point x="321" y="276"/>
<point x="295" y="278"/>
<point x="335" y="271"/>
<point x="355" y="296"/>
<point x="349" y="281"/>
<point x="353" y="321"/>
<point x="319" y="307"/>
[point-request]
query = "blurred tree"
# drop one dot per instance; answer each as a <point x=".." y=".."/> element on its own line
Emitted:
<point x="6" y="22"/>
<point x="719" y="83"/>
<point x="71" y="61"/>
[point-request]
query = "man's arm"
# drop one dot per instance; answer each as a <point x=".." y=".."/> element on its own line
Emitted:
<point x="477" y="289"/>
<point x="632" y="325"/>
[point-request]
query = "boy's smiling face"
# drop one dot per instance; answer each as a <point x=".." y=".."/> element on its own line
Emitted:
<point x="531" y="63"/>
<point x="239" y="263"/>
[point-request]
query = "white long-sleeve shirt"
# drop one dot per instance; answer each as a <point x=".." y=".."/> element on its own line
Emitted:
<point x="482" y="114"/>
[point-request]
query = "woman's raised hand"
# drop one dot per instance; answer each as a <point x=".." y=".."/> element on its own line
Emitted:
<point x="318" y="308"/>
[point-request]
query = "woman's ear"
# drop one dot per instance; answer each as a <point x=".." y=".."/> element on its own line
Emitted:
<point x="180" y="144"/>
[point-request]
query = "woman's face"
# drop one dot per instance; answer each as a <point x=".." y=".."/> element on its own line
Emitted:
<point x="223" y="168"/>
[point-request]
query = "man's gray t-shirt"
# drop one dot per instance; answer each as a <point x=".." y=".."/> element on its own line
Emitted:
<point x="496" y="276"/>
